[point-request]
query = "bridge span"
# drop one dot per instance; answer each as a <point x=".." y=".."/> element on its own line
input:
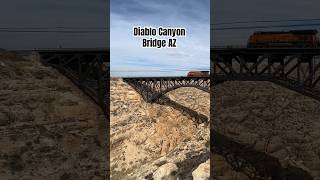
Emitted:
<point x="87" y="68"/>
<point x="297" y="69"/>
<point x="152" y="88"/>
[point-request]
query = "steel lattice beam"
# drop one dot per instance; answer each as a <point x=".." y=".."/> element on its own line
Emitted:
<point x="88" y="69"/>
<point x="297" y="69"/>
<point x="152" y="88"/>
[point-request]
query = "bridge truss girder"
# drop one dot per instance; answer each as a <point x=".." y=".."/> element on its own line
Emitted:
<point x="151" y="89"/>
<point x="298" y="71"/>
<point x="88" y="70"/>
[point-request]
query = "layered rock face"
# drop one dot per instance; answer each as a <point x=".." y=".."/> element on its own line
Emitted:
<point x="164" y="140"/>
<point x="49" y="128"/>
<point x="267" y="118"/>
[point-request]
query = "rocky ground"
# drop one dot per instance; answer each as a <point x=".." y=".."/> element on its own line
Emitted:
<point x="268" y="118"/>
<point x="165" y="140"/>
<point x="49" y="128"/>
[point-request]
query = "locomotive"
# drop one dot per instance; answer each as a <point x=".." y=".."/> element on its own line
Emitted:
<point x="198" y="74"/>
<point x="285" y="39"/>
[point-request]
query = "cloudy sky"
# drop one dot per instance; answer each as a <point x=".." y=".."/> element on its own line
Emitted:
<point x="248" y="10"/>
<point x="53" y="13"/>
<point x="127" y="56"/>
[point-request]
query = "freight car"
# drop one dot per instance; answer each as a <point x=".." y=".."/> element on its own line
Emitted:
<point x="198" y="73"/>
<point x="286" y="39"/>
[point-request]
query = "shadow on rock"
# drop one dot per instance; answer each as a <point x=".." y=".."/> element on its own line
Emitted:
<point x="189" y="165"/>
<point x="256" y="165"/>
<point x="198" y="117"/>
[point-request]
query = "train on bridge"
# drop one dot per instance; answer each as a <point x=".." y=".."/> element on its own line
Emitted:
<point x="284" y="39"/>
<point x="198" y="74"/>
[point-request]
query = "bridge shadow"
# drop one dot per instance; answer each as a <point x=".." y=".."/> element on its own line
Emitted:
<point x="255" y="164"/>
<point x="197" y="117"/>
<point x="242" y="158"/>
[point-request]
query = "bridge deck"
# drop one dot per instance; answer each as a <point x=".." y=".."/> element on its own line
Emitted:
<point x="166" y="78"/>
<point x="280" y="51"/>
<point x="72" y="50"/>
<point x="63" y="50"/>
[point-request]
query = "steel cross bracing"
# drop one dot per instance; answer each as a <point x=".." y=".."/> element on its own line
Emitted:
<point x="87" y="68"/>
<point x="296" y="68"/>
<point x="152" y="88"/>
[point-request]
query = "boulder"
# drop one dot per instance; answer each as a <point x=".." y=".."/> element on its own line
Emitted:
<point x="166" y="171"/>
<point x="202" y="172"/>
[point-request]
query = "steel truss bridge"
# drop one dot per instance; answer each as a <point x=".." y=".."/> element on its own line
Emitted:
<point x="87" y="68"/>
<point x="297" y="69"/>
<point x="152" y="88"/>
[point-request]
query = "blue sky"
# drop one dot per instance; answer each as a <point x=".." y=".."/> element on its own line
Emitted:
<point x="43" y="13"/>
<point x="127" y="56"/>
<point x="248" y="10"/>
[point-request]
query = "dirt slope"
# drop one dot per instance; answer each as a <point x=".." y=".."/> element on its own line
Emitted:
<point x="270" y="119"/>
<point x="146" y="136"/>
<point x="49" y="128"/>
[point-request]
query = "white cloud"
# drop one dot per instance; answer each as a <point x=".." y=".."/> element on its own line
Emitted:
<point x="127" y="52"/>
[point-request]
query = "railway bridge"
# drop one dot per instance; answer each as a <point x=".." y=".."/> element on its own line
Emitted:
<point x="152" y="88"/>
<point x="87" y="68"/>
<point x="297" y="69"/>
